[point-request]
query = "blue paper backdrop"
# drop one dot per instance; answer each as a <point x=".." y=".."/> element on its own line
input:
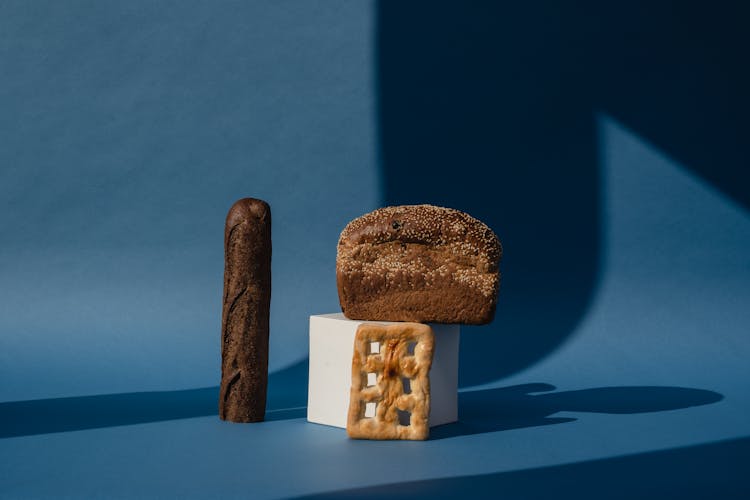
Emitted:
<point x="127" y="131"/>
<point x="605" y="144"/>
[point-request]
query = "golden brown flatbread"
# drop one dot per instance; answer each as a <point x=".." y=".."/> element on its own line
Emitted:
<point x="390" y="394"/>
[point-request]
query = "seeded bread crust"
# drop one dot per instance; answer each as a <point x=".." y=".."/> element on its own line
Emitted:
<point x="418" y="263"/>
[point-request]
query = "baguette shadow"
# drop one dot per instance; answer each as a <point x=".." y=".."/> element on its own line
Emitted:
<point x="287" y="397"/>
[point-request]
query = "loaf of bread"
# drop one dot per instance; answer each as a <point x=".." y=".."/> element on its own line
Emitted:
<point x="418" y="263"/>
<point x="245" y="315"/>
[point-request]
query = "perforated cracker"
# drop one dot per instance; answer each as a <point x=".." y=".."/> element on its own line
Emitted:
<point x="390" y="393"/>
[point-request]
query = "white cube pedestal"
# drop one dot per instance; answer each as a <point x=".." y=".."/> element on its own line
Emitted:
<point x="331" y="350"/>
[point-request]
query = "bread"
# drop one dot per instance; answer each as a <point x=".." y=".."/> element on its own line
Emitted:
<point x="418" y="263"/>
<point x="245" y="314"/>
<point x="392" y="377"/>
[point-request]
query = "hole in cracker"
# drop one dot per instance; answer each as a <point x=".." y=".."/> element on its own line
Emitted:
<point x="372" y="379"/>
<point x="370" y="409"/>
<point x="374" y="347"/>
<point x="410" y="348"/>
<point x="407" y="385"/>
<point x="404" y="417"/>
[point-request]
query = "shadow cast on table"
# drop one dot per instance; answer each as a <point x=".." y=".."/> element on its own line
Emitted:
<point x="532" y="405"/>
<point x="287" y="397"/>
<point x="481" y="411"/>
<point x="716" y="470"/>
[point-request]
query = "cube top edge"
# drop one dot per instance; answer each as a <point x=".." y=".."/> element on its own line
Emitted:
<point x="340" y="317"/>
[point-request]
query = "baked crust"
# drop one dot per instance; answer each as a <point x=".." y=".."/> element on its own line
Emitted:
<point x="418" y="263"/>
<point x="405" y="353"/>
<point x="245" y="312"/>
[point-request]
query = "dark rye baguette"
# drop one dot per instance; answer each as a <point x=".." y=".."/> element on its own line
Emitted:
<point x="418" y="263"/>
<point x="245" y="314"/>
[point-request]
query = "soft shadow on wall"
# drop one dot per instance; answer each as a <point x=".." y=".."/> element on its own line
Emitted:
<point x="490" y="108"/>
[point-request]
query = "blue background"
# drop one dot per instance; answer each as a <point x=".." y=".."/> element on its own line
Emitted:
<point x="607" y="147"/>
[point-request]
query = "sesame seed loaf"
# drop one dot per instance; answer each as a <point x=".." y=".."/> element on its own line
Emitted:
<point x="418" y="263"/>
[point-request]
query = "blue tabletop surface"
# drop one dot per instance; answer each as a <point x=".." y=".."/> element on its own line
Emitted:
<point x="617" y="364"/>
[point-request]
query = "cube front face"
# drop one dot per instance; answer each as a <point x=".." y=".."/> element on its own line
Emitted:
<point x="331" y="349"/>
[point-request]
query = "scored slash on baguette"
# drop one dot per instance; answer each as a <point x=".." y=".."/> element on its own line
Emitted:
<point x="245" y="312"/>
